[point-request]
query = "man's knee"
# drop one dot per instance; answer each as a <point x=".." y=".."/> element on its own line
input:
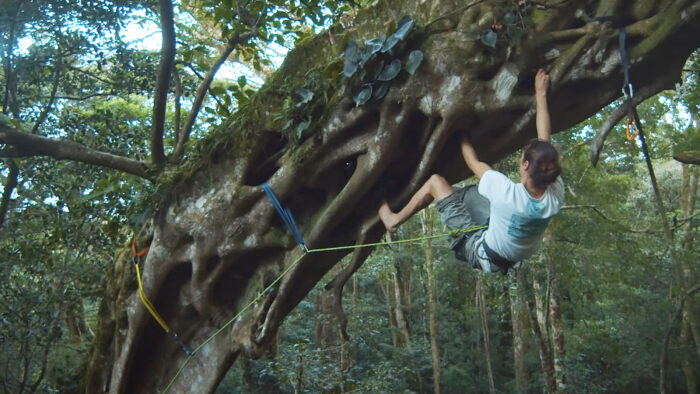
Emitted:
<point x="441" y="188"/>
<point x="437" y="180"/>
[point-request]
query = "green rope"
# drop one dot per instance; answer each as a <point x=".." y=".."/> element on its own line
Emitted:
<point x="452" y="233"/>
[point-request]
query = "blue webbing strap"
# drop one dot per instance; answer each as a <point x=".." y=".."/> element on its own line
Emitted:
<point x="627" y="88"/>
<point x="286" y="216"/>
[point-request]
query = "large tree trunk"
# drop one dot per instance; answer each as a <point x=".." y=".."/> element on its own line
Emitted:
<point x="549" y="316"/>
<point x="481" y="304"/>
<point x="541" y="338"/>
<point x="393" y="326"/>
<point x="689" y="327"/>
<point x="559" y="350"/>
<point x="402" y="304"/>
<point x="432" y="300"/>
<point x="217" y="241"/>
<point x="520" y="324"/>
<point x="688" y="198"/>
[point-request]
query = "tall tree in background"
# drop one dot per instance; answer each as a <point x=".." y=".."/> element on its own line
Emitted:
<point x="690" y="332"/>
<point x="427" y="222"/>
<point x="520" y="327"/>
<point x="333" y="136"/>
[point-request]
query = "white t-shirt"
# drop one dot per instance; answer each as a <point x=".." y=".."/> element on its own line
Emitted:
<point x="517" y="220"/>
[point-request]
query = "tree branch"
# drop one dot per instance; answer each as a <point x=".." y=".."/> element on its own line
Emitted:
<point x="641" y="95"/>
<point x="91" y="75"/>
<point x="10" y="99"/>
<point x="235" y="39"/>
<point x="628" y="229"/>
<point x="458" y="11"/>
<point x="201" y="78"/>
<point x="86" y="97"/>
<point x="688" y="157"/>
<point x="160" y="100"/>
<point x="178" y="106"/>
<point x="47" y="108"/>
<point x="34" y="145"/>
<point x="10" y="184"/>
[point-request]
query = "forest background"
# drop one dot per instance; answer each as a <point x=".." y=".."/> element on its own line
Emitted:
<point x="601" y="308"/>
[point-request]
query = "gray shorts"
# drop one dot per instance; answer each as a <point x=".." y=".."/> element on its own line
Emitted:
<point x="462" y="209"/>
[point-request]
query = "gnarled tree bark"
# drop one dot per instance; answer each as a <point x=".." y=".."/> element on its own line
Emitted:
<point x="217" y="240"/>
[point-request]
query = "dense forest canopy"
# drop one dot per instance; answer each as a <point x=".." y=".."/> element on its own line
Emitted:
<point x="107" y="146"/>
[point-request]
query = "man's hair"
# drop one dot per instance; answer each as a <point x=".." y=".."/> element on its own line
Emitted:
<point x="544" y="163"/>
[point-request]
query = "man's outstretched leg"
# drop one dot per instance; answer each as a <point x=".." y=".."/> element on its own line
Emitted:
<point x="436" y="188"/>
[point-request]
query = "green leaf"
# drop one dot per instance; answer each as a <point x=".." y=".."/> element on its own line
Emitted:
<point x="378" y="69"/>
<point x="5" y="120"/>
<point x="374" y="45"/>
<point x="405" y="25"/>
<point x="242" y="81"/>
<point x="97" y="193"/>
<point x="349" y="69"/>
<point x="390" y="43"/>
<point x="305" y="94"/>
<point x="515" y="33"/>
<point x="352" y="55"/>
<point x="223" y="13"/>
<point x="352" y="51"/>
<point x="414" y="60"/>
<point x="365" y="55"/>
<point x="390" y="71"/>
<point x="380" y="91"/>
<point x="363" y="95"/>
<point x="222" y="111"/>
<point x="489" y="37"/>
<point x="509" y="18"/>
<point x="202" y="63"/>
<point x="301" y="127"/>
<point x="217" y="90"/>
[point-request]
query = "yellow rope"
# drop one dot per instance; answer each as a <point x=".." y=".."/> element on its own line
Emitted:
<point x="192" y="353"/>
<point x="148" y="304"/>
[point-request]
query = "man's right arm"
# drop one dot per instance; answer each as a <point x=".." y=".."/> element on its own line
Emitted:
<point x="544" y="126"/>
<point x="477" y="166"/>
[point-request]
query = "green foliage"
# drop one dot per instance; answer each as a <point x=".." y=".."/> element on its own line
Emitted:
<point x="378" y="62"/>
<point x="54" y="262"/>
<point x="489" y="38"/>
<point x="513" y="23"/>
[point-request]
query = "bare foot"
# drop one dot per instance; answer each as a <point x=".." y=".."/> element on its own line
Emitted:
<point x="387" y="217"/>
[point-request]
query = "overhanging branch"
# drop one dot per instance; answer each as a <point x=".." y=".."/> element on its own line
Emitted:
<point x="688" y="157"/>
<point x="664" y="81"/>
<point x="160" y="101"/>
<point x="26" y="144"/>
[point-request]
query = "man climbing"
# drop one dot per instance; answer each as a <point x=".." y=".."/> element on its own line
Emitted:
<point x="517" y="214"/>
